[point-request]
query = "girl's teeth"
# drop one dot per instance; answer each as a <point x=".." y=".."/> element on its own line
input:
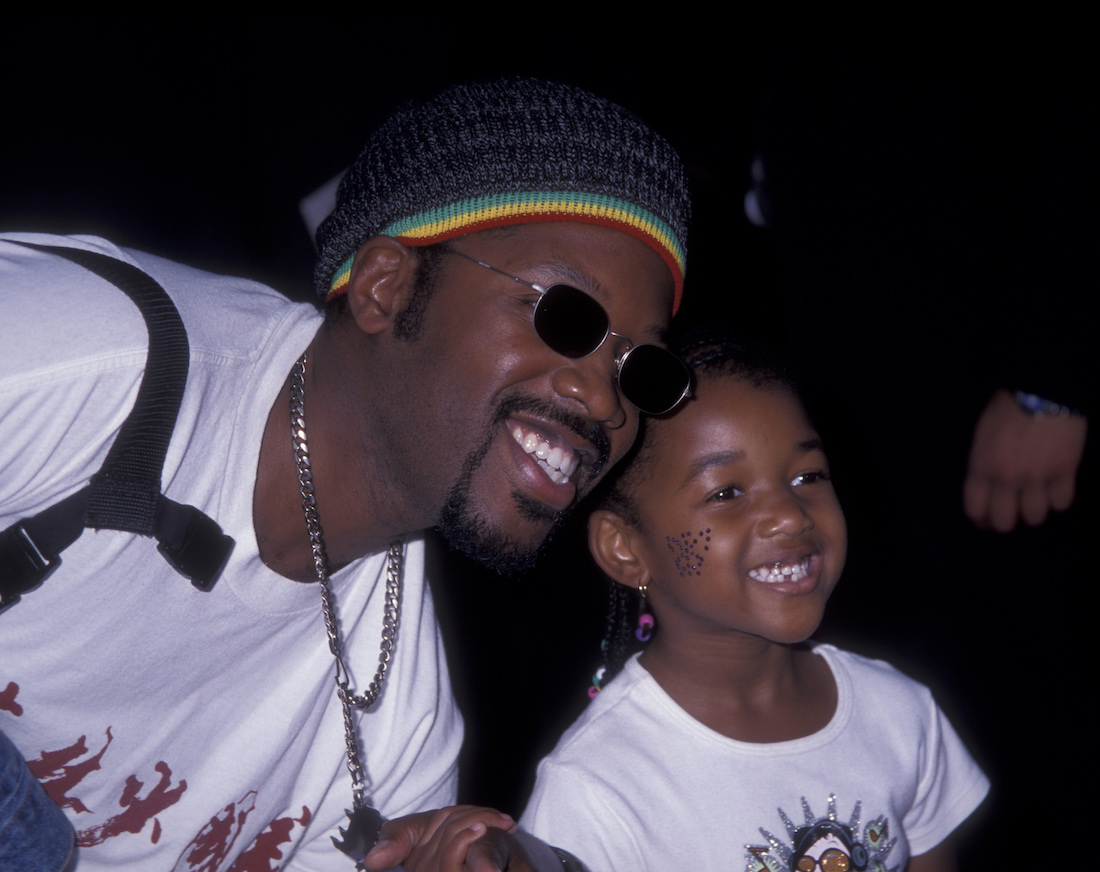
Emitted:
<point x="557" y="463"/>
<point x="782" y="572"/>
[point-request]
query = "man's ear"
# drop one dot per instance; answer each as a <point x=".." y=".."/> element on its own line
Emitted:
<point x="382" y="279"/>
<point x="613" y="543"/>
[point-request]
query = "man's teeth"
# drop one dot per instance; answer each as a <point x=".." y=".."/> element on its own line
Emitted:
<point x="782" y="572"/>
<point x="557" y="463"/>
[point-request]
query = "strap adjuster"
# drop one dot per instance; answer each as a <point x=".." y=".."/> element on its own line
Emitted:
<point x="191" y="542"/>
<point x="23" y="564"/>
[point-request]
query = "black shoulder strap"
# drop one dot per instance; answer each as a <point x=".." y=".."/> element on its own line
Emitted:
<point x="125" y="494"/>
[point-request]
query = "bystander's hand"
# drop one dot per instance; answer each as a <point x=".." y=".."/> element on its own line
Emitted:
<point x="1021" y="466"/>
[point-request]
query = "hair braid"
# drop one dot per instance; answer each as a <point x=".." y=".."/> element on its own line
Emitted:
<point x="617" y="643"/>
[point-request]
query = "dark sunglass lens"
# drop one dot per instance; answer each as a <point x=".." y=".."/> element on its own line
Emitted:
<point x="653" y="378"/>
<point x="570" y="321"/>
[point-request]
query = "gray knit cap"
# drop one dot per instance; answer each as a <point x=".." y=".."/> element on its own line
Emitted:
<point x="510" y="151"/>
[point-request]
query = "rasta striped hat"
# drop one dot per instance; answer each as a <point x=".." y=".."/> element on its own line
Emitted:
<point x="511" y="151"/>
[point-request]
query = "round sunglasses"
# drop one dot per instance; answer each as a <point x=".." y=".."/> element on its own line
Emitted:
<point x="573" y="324"/>
<point x="832" y="860"/>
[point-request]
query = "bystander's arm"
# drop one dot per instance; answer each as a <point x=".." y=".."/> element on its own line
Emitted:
<point x="1023" y="464"/>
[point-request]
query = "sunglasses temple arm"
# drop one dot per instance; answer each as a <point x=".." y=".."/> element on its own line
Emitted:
<point x="516" y="279"/>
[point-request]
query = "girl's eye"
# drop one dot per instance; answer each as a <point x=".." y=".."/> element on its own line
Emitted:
<point x="727" y="493"/>
<point x="811" y="477"/>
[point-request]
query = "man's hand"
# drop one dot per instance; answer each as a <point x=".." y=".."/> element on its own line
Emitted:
<point x="1021" y="467"/>
<point x="461" y="838"/>
<point x="434" y="841"/>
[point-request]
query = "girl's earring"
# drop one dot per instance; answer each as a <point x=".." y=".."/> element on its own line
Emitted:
<point x="645" y="620"/>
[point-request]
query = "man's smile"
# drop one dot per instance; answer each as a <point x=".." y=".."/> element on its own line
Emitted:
<point x="557" y="461"/>
<point x="567" y="451"/>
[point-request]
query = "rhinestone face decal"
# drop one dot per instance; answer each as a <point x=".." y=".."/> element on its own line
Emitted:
<point x="685" y="546"/>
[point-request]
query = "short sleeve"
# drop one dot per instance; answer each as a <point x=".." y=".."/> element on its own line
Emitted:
<point x="950" y="785"/>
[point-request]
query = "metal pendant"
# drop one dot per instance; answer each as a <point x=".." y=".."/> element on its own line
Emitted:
<point x="364" y="824"/>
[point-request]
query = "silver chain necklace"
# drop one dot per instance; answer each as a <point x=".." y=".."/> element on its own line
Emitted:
<point x="362" y="831"/>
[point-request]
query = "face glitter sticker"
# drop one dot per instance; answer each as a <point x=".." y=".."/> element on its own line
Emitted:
<point x="688" y="560"/>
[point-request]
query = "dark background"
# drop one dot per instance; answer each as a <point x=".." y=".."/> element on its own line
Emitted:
<point x="931" y="203"/>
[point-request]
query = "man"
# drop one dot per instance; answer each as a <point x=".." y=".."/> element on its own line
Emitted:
<point x="453" y="381"/>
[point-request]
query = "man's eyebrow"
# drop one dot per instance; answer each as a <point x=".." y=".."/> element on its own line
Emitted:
<point x="566" y="273"/>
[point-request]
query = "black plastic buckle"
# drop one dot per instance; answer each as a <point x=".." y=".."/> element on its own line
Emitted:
<point x="23" y="565"/>
<point x="201" y="549"/>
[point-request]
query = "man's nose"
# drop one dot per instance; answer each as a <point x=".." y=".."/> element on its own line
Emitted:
<point x="592" y="383"/>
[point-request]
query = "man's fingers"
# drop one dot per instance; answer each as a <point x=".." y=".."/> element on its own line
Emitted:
<point x="456" y="849"/>
<point x="434" y="840"/>
<point x="396" y="841"/>
<point x="387" y="854"/>
<point x="456" y="831"/>
<point x="494" y="852"/>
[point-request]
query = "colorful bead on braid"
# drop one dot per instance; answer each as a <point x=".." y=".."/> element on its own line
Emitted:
<point x="597" y="682"/>
<point x="597" y="678"/>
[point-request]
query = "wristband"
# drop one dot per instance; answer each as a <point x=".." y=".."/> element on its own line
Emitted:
<point x="1037" y="407"/>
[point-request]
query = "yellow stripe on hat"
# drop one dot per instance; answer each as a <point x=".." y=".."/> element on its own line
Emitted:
<point x="501" y="210"/>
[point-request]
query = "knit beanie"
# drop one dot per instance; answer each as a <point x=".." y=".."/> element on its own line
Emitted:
<point x="505" y="152"/>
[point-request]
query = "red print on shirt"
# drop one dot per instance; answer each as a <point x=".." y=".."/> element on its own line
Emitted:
<point x="265" y="854"/>
<point x="60" y="775"/>
<point x="138" y="812"/>
<point x="214" y="842"/>
<point x="7" y="699"/>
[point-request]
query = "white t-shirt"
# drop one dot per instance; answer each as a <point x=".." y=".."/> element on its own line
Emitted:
<point x="637" y="783"/>
<point x="180" y="729"/>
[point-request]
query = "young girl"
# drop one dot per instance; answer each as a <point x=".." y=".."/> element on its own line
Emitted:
<point x="731" y="742"/>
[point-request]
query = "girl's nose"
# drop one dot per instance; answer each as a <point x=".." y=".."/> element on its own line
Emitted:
<point x="784" y="514"/>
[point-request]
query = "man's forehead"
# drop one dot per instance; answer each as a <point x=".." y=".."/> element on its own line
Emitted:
<point x="617" y="270"/>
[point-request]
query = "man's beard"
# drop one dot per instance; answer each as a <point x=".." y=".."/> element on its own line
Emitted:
<point x="472" y="535"/>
